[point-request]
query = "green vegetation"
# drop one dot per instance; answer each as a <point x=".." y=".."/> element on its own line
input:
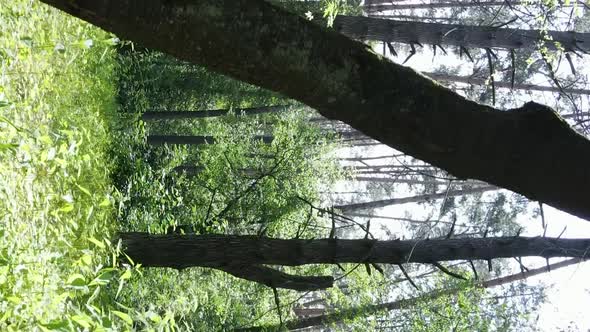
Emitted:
<point x="56" y="96"/>
<point x="76" y="167"/>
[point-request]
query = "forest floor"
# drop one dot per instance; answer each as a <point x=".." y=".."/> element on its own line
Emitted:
<point x="57" y="100"/>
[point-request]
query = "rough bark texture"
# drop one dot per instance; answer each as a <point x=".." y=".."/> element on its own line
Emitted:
<point x="411" y="199"/>
<point x="175" y="115"/>
<point x="529" y="150"/>
<point x="334" y="317"/>
<point x="411" y="32"/>
<point x="218" y="251"/>
<point x="500" y="84"/>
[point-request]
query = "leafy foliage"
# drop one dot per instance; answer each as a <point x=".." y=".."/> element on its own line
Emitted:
<point x="56" y="93"/>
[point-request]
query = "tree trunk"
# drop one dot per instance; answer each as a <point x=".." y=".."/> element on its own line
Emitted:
<point x="419" y="18"/>
<point x="393" y="180"/>
<point x="529" y="150"/>
<point x="362" y="159"/>
<point x="499" y="84"/>
<point x="217" y="251"/>
<point x="448" y="4"/>
<point x="412" y="32"/>
<point x="397" y="167"/>
<point x="172" y="115"/>
<point x="411" y="199"/>
<point x="193" y="140"/>
<point x="335" y="317"/>
<point x="412" y="221"/>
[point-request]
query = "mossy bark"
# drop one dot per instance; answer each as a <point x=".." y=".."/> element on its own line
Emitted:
<point x="529" y="150"/>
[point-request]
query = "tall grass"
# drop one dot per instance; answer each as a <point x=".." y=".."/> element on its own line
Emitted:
<point x="56" y="206"/>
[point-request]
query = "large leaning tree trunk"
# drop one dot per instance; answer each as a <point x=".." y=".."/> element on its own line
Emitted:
<point x="366" y="310"/>
<point x="529" y="150"/>
<point x="410" y="32"/>
<point x="219" y="251"/>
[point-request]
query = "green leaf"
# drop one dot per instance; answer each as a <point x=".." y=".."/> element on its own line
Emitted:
<point x="104" y="277"/>
<point x="83" y="320"/>
<point x="14" y="299"/>
<point x="154" y="317"/>
<point x="10" y="147"/>
<point x="66" y="208"/>
<point x="126" y="275"/>
<point x="76" y="280"/>
<point x="4" y="119"/>
<point x="105" y="202"/>
<point x="93" y="296"/>
<point x="125" y="317"/>
<point x="56" y="325"/>
<point x="96" y="242"/>
<point x="84" y="190"/>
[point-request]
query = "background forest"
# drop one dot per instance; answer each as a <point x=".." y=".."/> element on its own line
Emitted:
<point x="101" y="136"/>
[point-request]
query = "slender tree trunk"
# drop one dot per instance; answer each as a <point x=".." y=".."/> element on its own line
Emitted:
<point x="193" y="140"/>
<point x="529" y="150"/>
<point x="412" y="221"/>
<point x="410" y="181"/>
<point x="384" y="166"/>
<point x="389" y="172"/>
<point x="500" y="84"/>
<point x="179" y="115"/>
<point x="362" y="159"/>
<point x="418" y="18"/>
<point x="335" y="317"/>
<point x="412" y="32"/>
<point x="447" y="4"/>
<point x="217" y="251"/>
<point x="412" y="199"/>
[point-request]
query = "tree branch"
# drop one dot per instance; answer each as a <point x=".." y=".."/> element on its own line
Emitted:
<point x="277" y="279"/>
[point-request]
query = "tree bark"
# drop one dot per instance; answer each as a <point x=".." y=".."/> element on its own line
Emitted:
<point x="335" y="317"/>
<point x="412" y="199"/>
<point x="394" y="180"/>
<point x="172" y="115"/>
<point x="412" y="32"/>
<point x="362" y="159"/>
<point x="448" y="4"/>
<point x="219" y="251"/>
<point x="500" y="84"/>
<point x="412" y="221"/>
<point x="388" y="167"/>
<point x="529" y="150"/>
<point x="193" y="140"/>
